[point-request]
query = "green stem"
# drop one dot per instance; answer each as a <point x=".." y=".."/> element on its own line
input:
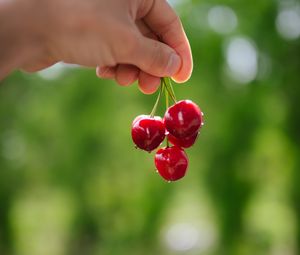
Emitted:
<point x="157" y="100"/>
<point x="171" y="86"/>
<point x="167" y="99"/>
<point x="168" y="83"/>
<point x="169" y="91"/>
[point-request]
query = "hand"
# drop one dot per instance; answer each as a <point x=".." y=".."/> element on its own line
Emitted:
<point x="126" y="39"/>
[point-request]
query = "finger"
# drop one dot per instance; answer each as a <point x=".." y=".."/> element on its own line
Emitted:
<point x="111" y="72"/>
<point x="162" y="20"/>
<point x="151" y="56"/>
<point x="106" y="72"/>
<point x="148" y="84"/>
<point x="126" y="74"/>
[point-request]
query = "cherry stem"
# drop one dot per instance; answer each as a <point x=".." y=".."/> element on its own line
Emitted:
<point x="167" y="98"/>
<point x="157" y="100"/>
<point x="169" y="87"/>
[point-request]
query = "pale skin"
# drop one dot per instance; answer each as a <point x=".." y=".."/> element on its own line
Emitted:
<point x="125" y="40"/>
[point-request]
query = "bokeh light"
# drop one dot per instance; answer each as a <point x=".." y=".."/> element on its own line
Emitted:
<point x="56" y="71"/>
<point x="288" y="22"/>
<point x="222" y="19"/>
<point x="241" y="58"/>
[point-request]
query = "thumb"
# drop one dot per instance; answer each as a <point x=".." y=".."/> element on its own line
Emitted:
<point x="155" y="58"/>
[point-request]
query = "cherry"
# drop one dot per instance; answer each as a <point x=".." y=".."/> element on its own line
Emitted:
<point x="147" y="132"/>
<point x="171" y="163"/>
<point x="183" y="142"/>
<point x="139" y="117"/>
<point x="183" y="119"/>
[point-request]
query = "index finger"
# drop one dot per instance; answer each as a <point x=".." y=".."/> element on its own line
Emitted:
<point x="163" y="21"/>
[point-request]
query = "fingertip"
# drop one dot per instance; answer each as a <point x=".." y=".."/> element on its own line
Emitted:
<point x="148" y="83"/>
<point x="126" y="74"/>
<point x="106" y="72"/>
<point x="181" y="78"/>
<point x="186" y="69"/>
<point x="98" y="71"/>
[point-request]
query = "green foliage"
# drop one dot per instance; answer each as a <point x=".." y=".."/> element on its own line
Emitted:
<point x="71" y="181"/>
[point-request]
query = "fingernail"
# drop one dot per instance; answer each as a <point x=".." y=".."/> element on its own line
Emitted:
<point x="103" y="71"/>
<point x="173" y="64"/>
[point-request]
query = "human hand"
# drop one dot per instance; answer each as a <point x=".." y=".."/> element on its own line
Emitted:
<point x="159" y="22"/>
<point x="120" y="37"/>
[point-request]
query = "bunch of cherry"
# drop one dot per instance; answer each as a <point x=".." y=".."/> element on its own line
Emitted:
<point x="180" y="126"/>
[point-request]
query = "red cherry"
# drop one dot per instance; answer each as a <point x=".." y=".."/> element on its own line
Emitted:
<point x="148" y="132"/>
<point x="138" y="118"/>
<point x="171" y="163"/>
<point x="183" y="142"/>
<point x="183" y="119"/>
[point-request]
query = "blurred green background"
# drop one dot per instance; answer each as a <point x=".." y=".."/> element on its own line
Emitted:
<point x="71" y="181"/>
